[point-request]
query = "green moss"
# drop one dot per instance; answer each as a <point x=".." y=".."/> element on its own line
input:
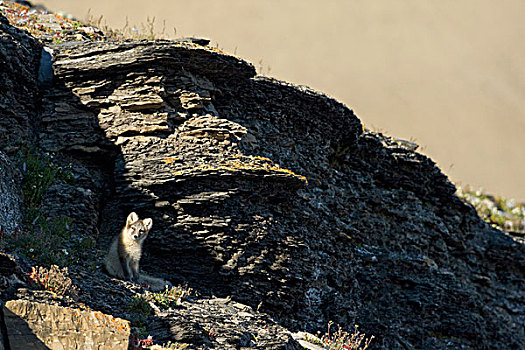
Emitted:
<point x="140" y="305"/>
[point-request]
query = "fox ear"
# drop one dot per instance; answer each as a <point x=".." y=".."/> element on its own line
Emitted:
<point x="147" y="223"/>
<point x="132" y="217"/>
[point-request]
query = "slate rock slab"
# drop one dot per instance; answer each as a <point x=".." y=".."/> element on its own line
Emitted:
<point x="33" y="325"/>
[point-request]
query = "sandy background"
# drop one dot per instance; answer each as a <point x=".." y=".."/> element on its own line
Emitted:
<point x="448" y="74"/>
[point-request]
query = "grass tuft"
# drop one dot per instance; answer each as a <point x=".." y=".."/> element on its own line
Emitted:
<point x="42" y="239"/>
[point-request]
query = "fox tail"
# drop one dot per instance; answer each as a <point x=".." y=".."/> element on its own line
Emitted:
<point x="153" y="283"/>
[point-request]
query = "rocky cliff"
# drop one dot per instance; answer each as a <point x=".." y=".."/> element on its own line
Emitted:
<point x="266" y="192"/>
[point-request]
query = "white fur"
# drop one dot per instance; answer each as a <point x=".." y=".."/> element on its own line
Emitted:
<point x="122" y="260"/>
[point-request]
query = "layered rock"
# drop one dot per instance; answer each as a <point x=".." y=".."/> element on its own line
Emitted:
<point x="41" y="326"/>
<point x="41" y="318"/>
<point x="19" y="93"/>
<point x="376" y="236"/>
<point x="222" y="324"/>
<point x="273" y="194"/>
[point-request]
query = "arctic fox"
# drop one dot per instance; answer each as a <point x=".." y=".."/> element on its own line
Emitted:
<point x="122" y="260"/>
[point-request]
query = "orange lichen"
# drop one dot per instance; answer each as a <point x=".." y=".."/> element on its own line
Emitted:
<point x="169" y="160"/>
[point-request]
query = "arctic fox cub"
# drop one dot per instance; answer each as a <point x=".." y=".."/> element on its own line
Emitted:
<point x="122" y="260"/>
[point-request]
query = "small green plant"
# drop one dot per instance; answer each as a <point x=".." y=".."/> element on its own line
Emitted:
<point x="54" y="279"/>
<point x="40" y="173"/>
<point x="168" y="298"/>
<point x="139" y="304"/>
<point x="44" y="242"/>
<point x="341" y="339"/>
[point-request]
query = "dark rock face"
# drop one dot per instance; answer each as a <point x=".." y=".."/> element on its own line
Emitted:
<point x="19" y="93"/>
<point x="229" y="324"/>
<point x="10" y="197"/>
<point x="11" y="276"/>
<point x="274" y="194"/>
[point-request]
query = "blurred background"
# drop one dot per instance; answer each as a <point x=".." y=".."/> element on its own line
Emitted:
<point x="449" y="75"/>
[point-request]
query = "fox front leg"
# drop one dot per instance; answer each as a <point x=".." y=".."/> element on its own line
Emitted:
<point x="126" y="269"/>
<point x="134" y="271"/>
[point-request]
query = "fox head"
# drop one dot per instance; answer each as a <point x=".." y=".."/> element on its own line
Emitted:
<point x="136" y="228"/>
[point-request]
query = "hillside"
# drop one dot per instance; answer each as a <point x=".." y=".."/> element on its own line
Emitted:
<point x="448" y="74"/>
<point x="269" y="199"/>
